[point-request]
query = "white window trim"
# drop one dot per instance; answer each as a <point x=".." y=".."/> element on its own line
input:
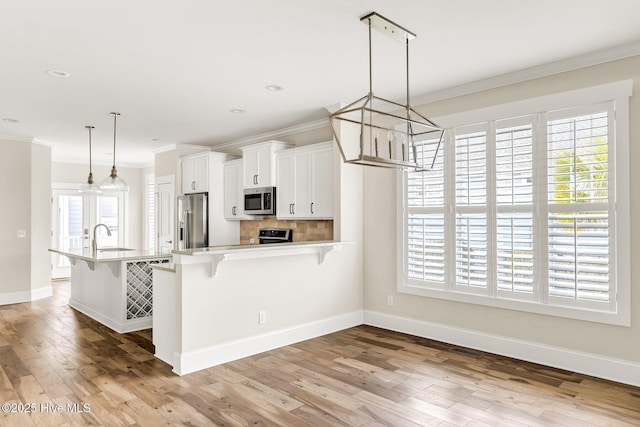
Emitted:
<point x="619" y="93"/>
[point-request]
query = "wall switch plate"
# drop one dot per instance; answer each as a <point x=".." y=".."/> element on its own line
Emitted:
<point x="262" y="317"/>
<point x="21" y="234"/>
<point x="389" y="299"/>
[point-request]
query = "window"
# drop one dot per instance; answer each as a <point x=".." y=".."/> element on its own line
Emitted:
<point x="524" y="212"/>
<point x="107" y="213"/>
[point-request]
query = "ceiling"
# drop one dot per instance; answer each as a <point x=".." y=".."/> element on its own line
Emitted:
<point x="175" y="70"/>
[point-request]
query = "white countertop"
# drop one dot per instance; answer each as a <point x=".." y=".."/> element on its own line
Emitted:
<point x="213" y="250"/>
<point x="218" y="254"/>
<point x="111" y="255"/>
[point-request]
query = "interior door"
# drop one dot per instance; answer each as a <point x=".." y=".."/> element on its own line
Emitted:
<point x="165" y="216"/>
<point x="67" y="228"/>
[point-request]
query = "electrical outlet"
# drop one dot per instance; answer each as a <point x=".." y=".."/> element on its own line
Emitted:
<point x="262" y="317"/>
<point x="21" y="234"/>
<point x="389" y="299"/>
<point x="252" y="241"/>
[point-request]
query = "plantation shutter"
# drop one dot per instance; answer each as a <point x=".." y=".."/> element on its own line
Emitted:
<point x="426" y="221"/>
<point x="151" y="215"/>
<point x="514" y="207"/>
<point x="471" y="241"/>
<point x="578" y="198"/>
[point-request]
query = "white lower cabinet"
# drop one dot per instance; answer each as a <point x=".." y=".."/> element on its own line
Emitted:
<point x="305" y="182"/>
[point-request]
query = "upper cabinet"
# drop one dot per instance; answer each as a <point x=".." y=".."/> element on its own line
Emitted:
<point x="305" y="182"/>
<point x="195" y="174"/>
<point x="322" y="182"/>
<point x="233" y="190"/>
<point x="260" y="162"/>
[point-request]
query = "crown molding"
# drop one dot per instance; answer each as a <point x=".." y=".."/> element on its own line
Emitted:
<point x="41" y="142"/>
<point x="544" y="70"/>
<point x="6" y="137"/>
<point x="172" y="147"/>
<point x="291" y="130"/>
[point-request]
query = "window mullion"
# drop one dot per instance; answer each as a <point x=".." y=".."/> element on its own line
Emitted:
<point x="540" y="195"/>
<point x="449" y="210"/>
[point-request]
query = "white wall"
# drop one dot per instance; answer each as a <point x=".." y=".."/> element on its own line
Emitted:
<point x="599" y="340"/>
<point x="40" y="216"/>
<point x="25" y="192"/>
<point x="70" y="173"/>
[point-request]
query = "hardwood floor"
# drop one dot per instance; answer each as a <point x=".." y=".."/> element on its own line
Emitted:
<point x="52" y="358"/>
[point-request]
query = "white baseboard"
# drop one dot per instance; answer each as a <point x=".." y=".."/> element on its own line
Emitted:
<point x="192" y="361"/>
<point x="40" y="293"/>
<point x="26" y="296"/>
<point x="590" y="364"/>
<point x="119" y="327"/>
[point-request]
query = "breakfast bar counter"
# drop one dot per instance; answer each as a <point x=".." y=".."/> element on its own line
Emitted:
<point x="221" y="303"/>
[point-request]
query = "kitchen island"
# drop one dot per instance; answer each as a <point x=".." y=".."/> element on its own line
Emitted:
<point x="114" y="285"/>
<point x="218" y="304"/>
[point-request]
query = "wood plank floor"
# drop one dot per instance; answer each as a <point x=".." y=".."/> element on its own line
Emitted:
<point x="52" y="357"/>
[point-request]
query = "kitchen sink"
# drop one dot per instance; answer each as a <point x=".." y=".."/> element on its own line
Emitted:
<point x="114" y="249"/>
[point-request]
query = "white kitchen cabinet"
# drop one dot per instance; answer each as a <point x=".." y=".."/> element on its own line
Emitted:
<point x="293" y="174"/>
<point x="305" y="182"/>
<point x="322" y="182"/>
<point x="260" y="163"/>
<point x="233" y="190"/>
<point x="195" y="174"/>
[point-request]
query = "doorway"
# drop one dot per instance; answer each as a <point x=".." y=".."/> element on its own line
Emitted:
<point x="73" y="217"/>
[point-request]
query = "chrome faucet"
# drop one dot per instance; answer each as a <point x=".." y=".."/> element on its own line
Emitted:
<point x="94" y="244"/>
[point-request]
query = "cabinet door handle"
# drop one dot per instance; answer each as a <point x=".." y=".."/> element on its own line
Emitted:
<point x="233" y="210"/>
<point x="255" y="179"/>
<point x="294" y="208"/>
<point x="291" y="208"/>
<point x="193" y="185"/>
<point x="311" y="207"/>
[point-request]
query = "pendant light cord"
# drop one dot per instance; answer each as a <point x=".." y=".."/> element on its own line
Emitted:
<point x="90" y="180"/>
<point x="114" y="172"/>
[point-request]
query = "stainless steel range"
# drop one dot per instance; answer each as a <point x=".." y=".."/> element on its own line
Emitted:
<point x="275" y="235"/>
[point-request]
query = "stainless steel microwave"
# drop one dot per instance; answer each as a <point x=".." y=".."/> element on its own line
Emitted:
<point x="260" y="201"/>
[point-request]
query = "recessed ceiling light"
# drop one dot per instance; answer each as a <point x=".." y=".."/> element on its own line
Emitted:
<point x="10" y="120"/>
<point x="237" y="110"/>
<point x="58" y="73"/>
<point x="274" y="88"/>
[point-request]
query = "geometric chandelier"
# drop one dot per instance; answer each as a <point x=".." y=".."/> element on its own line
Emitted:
<point x="374" y="131"/>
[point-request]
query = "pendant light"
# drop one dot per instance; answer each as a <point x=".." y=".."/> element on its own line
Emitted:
<point x="113" y="182"/>
<point x="89" y="187"/>
<point x="363" y="130"/>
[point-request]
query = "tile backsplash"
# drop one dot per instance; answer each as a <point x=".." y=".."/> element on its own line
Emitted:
<point x="303" y="231"/>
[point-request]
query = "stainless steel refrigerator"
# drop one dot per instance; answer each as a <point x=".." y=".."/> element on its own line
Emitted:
<point x="193" y="221"/>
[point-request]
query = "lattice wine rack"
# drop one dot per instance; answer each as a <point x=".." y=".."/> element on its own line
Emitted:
<point x="140" y="288"/>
